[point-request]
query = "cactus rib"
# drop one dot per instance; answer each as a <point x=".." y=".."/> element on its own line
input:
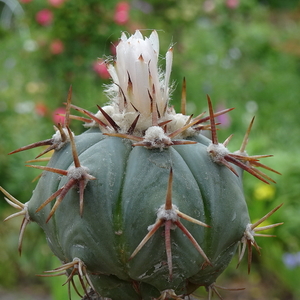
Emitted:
<point x="168" y="216"/>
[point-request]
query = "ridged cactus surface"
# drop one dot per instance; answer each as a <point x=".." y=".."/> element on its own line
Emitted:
<point x="142" y="205"/>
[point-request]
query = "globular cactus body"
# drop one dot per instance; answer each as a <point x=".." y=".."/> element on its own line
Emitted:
<point x="122" y="202"/>
<point x="142" y="204"/>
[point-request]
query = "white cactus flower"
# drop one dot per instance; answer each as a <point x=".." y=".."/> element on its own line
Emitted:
<point x="140" y="89"/>
<point x="137" y="78"/>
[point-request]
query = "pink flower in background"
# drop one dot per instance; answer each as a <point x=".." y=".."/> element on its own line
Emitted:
<point x="100" y="68"/>
<point x="57" y="47"/>
<point x="57" y="115"/>
<point x="44" y="17"/>
<point x="121" y="16"/>
<point x="56" y="3"/>
<point x="232" y="3"/>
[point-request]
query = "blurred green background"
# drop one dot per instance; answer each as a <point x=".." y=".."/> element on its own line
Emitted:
<point x="243" y="53"/>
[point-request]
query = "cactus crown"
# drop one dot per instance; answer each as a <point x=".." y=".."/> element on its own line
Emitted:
<point x="141" y="90"/>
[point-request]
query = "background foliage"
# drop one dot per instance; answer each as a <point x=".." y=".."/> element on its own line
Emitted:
<point x="243" y="53"/>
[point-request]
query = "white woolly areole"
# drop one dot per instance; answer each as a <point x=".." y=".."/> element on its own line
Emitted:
<point x="77" y="173"/>
<point x="109" y="109"/>
<point x="156" y="136"/>
<point x="178" y="121"/>
<point x="57" y="140"/>
<point x="238" y="152"/>
<point x="125" y="119"/>
<point x="155" y="133"/>
<point x="166" y="214"/>
<point x="26" y="212"/>
<point x="249" y="233"/>
<point x="217" y="151"/>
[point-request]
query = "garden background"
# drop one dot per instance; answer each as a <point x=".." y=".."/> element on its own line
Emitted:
<point x="243" y="53"/>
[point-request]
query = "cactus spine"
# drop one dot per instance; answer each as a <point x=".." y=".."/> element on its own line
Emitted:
<point x="142" y="205"/>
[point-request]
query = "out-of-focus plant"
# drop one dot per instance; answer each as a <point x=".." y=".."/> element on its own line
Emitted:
<point x="71" y="35"/>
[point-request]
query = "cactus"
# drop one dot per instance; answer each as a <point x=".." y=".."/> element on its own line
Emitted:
<point x="142" y="205"/>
